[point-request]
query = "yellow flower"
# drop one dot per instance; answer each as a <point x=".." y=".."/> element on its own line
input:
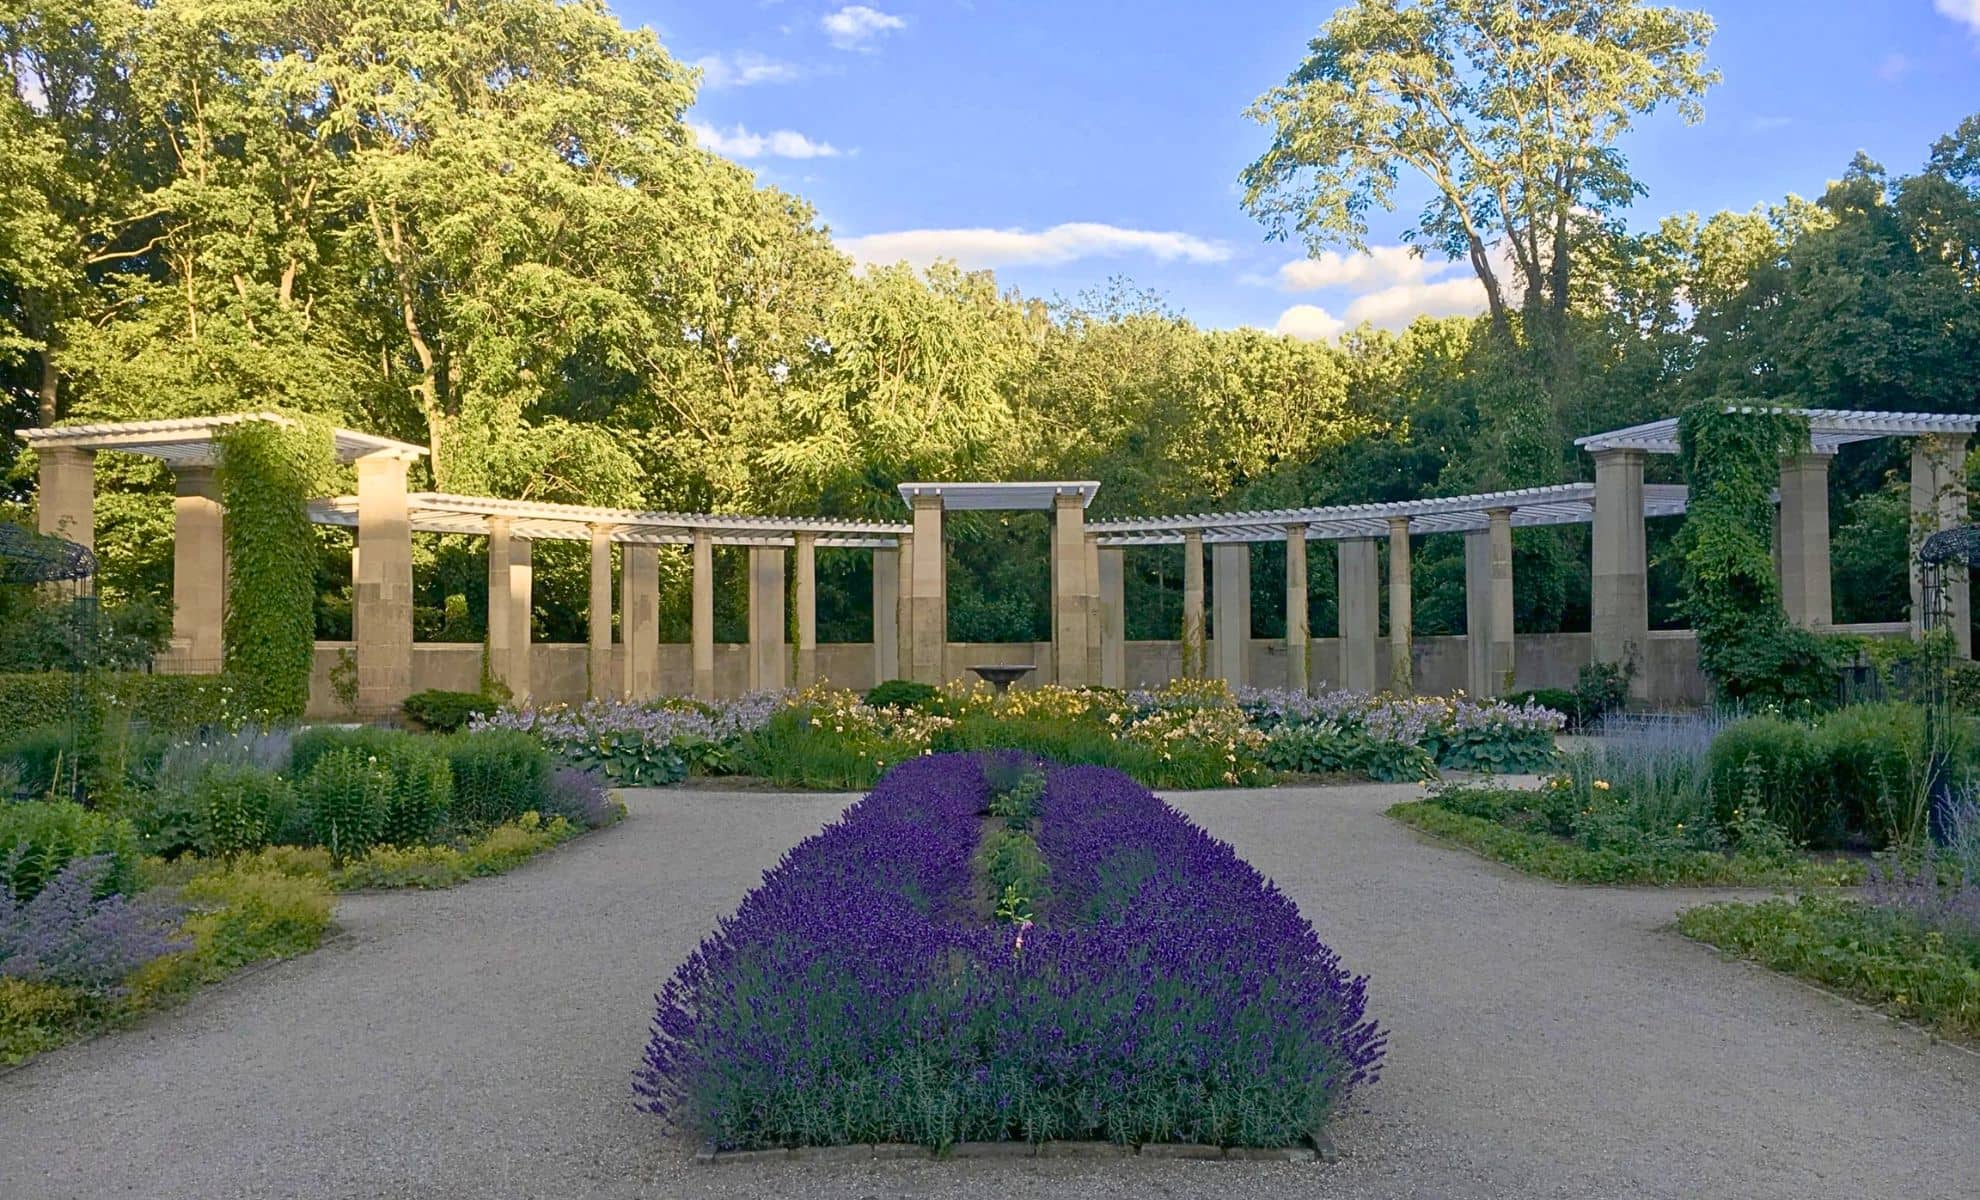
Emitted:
<point x="1601" y="785"/>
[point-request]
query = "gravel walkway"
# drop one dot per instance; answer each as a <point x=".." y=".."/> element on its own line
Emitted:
<point x="477" y="1043"/>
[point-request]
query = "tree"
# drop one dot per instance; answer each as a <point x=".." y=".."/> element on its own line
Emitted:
<point x="1510" y="109"/>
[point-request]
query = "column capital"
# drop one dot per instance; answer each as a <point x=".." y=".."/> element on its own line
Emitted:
<point x="1296" y="527"/>
<point x="1398" y="526"/>
<point x="1616" y="455"/>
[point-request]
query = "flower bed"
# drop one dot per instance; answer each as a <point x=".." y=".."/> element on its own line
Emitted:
<point x="1189" y="734"/>
<point x="1153" y="989"/>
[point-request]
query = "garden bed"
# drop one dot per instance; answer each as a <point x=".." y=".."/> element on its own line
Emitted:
<point x="965" y="958"/>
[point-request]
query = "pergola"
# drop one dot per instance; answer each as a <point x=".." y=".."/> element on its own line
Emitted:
<point x="910" y="574"/>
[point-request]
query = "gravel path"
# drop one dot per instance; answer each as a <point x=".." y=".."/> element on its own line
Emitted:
<point x="1547" y="1042"/>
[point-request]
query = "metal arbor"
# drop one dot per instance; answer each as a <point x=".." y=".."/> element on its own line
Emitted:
<point x="1939" y="555"/>
<point x="31" y="560"/>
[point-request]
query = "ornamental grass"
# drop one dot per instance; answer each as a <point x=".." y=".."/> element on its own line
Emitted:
<point x="1163" y="991"/>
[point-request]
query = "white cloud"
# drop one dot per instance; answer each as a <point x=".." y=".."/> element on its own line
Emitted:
<point x="1309" y="322"/>
<point x="1059" y="244"/>
<point x="1396" y="306"/>
<point x="1380" y="265"/>
<point x="743" y="70"/>
<point x="741" y="143"/>
<point x="1966" y="12"/>
<point x="856" y="25"/>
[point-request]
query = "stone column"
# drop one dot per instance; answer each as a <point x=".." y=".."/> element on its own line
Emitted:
<point x="886" y="616"/>
<point x="522" y="574"/>
<point x="382" y="592"/>
<point x="1070" y="591"/>
<point x="1804" y="540"/>
<point x="1360" y="606"/>
<point x="1938" y="501"/>
<point x="1112" y="568"/>
<point x="1478" y="611"/>
<point x="1232" y="615"/>
<point x="1619" y="587"/>
<point x="199" y="570"/>
<point x="1500" y="660"/>
<point x="65" y="498"/>
<point x="928" y="599"/>
<point x="1401" y="623"/>
<point x="1096" y="616"/>
<point x="501" y="627"/>
<point x="639" y="620"/>
<point x="701" y="615"/>
<point x="904" y="611"/>
<point x="600" y="616"/>
<point x="1195" y="649"/>
<point x="768" y="669"/>
<point x="1298" y="643"/>
<point x="806" y="559"/>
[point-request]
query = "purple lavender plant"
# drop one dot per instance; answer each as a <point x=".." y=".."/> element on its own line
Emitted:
<point x="581" y="797"/>
<point x="1168" y="992"/>
<point x="65" y="935"/>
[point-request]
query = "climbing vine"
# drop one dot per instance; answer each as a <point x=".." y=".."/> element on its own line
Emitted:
<point x="267" y="473"/>
<point x="1746" y="645"/>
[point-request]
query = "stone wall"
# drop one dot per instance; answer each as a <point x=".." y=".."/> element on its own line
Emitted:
<point x="559" y="672"/>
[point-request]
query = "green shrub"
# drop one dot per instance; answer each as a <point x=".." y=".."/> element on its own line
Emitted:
<point x="40" y="837"/>
<point x="1600" y="689"/>
<point x="791" y="749"/>
<point x="239" y="806"/>
<point x="162" y="703"/>
<point x="1770" y="763"/>
<point x="499" y="849"/>
<point x="38" y="1016"/>
<point x="447" y="712"/>
<point x="1870" y="760"/>
<point x="348" y="794"/>
<point x="1882" y="957"/>
<point x="314" y="742"/>
<point x="422" y="777"/>
<point x="1324" y="750"/>
<point x="498" y="775"/>
<point x="45" y="756"/>
<point x="904" y="693"/>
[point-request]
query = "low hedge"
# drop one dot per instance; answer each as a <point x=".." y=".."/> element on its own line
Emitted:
<point x="447" y="712"/>
<point x="1875" y="955"/>
<point x="164" y="703"/>
<point x="1543" y="854"/>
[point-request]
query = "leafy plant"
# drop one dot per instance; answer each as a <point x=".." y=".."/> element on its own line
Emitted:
<point x="498" y="775"/>
<point x="904" y="693"/>
<point x="267" y="474"/>
<point x="38" y="838"/>
<point x="581" y="798"/>
<point x="348" y="795"/>
<point x="447" y="712"/>
<point x="1770" y="765"/>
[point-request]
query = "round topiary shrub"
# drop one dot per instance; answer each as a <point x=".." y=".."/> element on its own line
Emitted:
<point x="903" y="693"/>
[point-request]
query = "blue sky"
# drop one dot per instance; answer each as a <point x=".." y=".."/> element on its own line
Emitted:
<point x="1063" y="142"/>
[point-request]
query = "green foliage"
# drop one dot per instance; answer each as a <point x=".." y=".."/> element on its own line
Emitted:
<point x="447" y="712"/>
<point x="904" y="693"/>
<point x="267" y="475"/>
<point x="227" y="808"/>
<point x="1600" y="689"/>
<point x="496" y="850"/>
<point x="1879" y="956"/>
<point x="39" y="1016"/>
<point x="498" y="775"/>
<point x="1770" y="764"/>
<point x="1015" y="874"/>
<point x="40" y="837"/>
<point x="348" y="795"/>
<point x="1746" y="646"/>
<point x="1322" y="750"/>
<point x="1541" y="853"/>
<point x="44" y="631"/>
<point x="790" y="747"/>
<point x="422" y="790"/>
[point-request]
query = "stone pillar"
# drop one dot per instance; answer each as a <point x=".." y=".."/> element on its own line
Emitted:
<point x="1619" y="587"/>
<point x="382" y="591"/>
<point x="639" y="620"/>
<point x="1938" y="501"/>
<point x="701" y="615"/>
<point x="65" y="498"/>
<point x="904" y="611"/>
<point x="768" y="670"/>
<point x="600" y="616"/>
<point x="501" y="627"/>
<point x="1111" y="565"/>
<point x="928" y="597"/>
<point x="806" y="559"/>
<point x="1478" y="612"/>
<point x="1232" y="562"/>
<point x="1096" y="616"/>
<point x="1195" y="650"/>
<point x="1803" y="521"/>
<point x="1500" y="660"/>
<point x="522" y="574"/>
<point x="1360" y="604"/>
<point x="199" y="570"/>
<point x="886" y="615"/>
<point x="1070" y="591"/>
<point x="1298" y="643"/>
<point x="1401" y="623"/>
